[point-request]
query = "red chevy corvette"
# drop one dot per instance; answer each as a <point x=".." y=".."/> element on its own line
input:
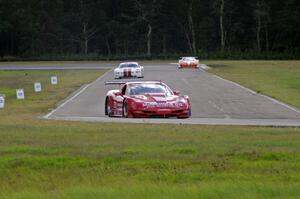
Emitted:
<point x="146" y="99"/>
<point x="188" y="62"/>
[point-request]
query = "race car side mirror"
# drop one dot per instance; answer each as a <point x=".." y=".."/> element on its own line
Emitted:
<point x="176" y="92"/>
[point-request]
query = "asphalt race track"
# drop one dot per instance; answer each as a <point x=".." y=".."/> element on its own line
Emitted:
<point x="214" y="100"/>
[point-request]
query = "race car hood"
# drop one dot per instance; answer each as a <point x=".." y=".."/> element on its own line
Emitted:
<point x="160" y="101"/>
<point x="156" y="98"/>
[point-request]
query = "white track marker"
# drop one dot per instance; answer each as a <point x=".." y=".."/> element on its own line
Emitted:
<point x="37" y="87"/>
<point x="20" y="93"/>
<point x="2" y="101"/>
<point x="54" y="80"/>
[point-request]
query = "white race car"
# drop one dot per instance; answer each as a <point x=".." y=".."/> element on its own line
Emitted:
<point x="188" y="62"/>
<point x="129" y="69"/>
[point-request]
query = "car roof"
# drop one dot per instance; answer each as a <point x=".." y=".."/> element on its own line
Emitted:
<point x="188" y="57"/>
<point x="128" y="63"/>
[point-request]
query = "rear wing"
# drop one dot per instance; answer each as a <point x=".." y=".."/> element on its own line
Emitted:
<point x="133" y="81"/>
<point x="114" y="83"/>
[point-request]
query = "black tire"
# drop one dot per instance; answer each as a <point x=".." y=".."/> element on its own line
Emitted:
<point x="107" y="107"/>
<point x="125" y="110"/>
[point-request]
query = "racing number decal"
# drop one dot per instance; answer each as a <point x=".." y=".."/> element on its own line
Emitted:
<point x="127" y="73"/>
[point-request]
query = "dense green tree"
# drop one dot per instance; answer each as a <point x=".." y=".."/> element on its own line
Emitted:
<point x="126" y="28"/>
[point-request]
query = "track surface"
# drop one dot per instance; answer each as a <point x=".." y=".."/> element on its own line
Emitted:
<point x="214" y="101"/>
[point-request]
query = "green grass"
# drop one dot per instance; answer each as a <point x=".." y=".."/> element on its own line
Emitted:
<point x="37" y="103"/>
<point x="278" y="79"/>
<point x="67" y="159"/>
<point x="59" y="159"/>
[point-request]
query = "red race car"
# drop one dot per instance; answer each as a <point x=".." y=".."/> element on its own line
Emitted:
<point x="188" y="62"/>
<point x="146" y="99"/>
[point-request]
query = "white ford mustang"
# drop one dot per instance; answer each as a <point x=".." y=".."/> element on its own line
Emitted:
<point x="129" y="69"/>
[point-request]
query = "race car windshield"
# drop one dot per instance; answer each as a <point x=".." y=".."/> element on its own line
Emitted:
<point x="128" y="66"/>
<point x="141" y="89"/>
<point x="188" y="58"/>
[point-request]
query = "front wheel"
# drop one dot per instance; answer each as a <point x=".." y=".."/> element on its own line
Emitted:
<point x="107" y="107"/>
<point x="125" y="110"/>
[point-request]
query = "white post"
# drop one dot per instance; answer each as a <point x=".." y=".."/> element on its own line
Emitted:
<point x="20" y="93"/>
<point x="54" y="80"/>
<point x="37" y="87"/>
<point x="2" y="101"/>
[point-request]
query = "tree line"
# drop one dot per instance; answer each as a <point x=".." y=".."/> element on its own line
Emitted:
<point x="148" y="28"/>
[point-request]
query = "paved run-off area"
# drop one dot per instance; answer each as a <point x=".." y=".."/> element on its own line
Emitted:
<point x="214" y="101"/>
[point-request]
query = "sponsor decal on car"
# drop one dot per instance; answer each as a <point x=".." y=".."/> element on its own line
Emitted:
<point x="162" y="104"/>
<point x="159" y="98"/>
<point x="127" y="72"/>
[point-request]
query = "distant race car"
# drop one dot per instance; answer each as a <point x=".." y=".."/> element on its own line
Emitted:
<point x="188" y="62"/>
<point x="146" y="99"/>
<point x="129" y="69"/>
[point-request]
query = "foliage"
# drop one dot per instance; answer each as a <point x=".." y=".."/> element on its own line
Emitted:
<point x="123" y="29"/>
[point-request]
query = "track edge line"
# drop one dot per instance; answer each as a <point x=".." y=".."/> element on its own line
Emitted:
<point x="47" y="116"/>
<point x="290" y="107"/>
